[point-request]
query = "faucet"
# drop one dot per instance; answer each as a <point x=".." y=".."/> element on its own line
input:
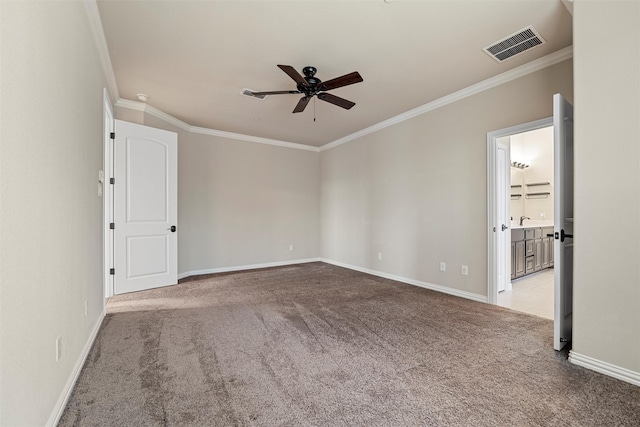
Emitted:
<point x="522" y="218"/>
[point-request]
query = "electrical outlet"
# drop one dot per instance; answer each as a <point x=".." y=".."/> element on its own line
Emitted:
<point x="379" y="256"/>
<point x="443" y="266"/>
<point x="542" y="215"/>
<point x="465" y="270"/>
<point x="290" y="248"/>
<point x="59" y="348"/>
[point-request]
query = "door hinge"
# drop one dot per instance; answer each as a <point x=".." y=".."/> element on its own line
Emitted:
<point x="112" y="271"/>
<point x="112" y="225"/>
<point x="112" y="135"/>
<point x="112" y="180"/>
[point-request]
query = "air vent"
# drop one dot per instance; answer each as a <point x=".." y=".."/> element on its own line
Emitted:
<point x="249" y="92"/>
<point x="514" y="44"/>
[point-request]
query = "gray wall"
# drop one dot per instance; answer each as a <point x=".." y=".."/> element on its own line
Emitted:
<point x="607" y="183"/>
<point x="416" y="191"/>
<point x="243" y="203"/>
<point x="50" y="212"/>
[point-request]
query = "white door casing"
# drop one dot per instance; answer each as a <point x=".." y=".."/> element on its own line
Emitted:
<point x="503" y="223"/>
<point x="145" y="207"/>
<point x="108" y="126"/>
<point x="496" y="192"/>
<point x="563" y="222"/>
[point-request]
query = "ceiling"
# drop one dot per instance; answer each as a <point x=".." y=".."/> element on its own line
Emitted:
<point x="193" y="58"/>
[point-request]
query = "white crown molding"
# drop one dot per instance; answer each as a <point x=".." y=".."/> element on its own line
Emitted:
<point x="131" y="105"/>
<point x="244" y="267"/>
<point x="605" y="368"/>
<point x="145" y="108"/>
<point x="95" y="23"/>
<point x="419" y="283"/>
<point x="257" y="139"/>
<point x="492" y="82"/>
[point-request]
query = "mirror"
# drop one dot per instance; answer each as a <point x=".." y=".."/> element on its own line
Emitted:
<point x="532" y="177"/>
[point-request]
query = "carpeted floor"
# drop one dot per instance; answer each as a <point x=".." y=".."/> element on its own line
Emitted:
<point x="319" y="345"/>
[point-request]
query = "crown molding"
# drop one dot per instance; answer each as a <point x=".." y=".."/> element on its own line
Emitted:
<point x="95" y="23"/>
<point x="148" y="109"/>
<point x="145" y="108"/>
<point x="131" y="105"/>
<point x="523" y="70"/>
<point x="256" y="139"/>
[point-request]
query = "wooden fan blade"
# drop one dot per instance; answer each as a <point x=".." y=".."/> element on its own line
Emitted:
<point x="336" y="100"/>
<point x="302" y="104"/>
<point x="346" y="80"/>
<point x="276" y="92"/>
<point x="293" y="73"/>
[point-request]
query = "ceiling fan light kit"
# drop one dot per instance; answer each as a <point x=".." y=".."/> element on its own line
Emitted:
<point x="311" y="86"/>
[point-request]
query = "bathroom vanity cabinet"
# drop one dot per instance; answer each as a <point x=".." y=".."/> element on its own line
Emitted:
<point x="531" y="250"/>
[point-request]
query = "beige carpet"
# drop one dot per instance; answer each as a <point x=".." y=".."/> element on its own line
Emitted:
<point x="318" y="345"/>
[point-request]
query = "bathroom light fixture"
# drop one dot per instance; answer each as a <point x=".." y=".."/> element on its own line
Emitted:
<point x="519" y="165"/>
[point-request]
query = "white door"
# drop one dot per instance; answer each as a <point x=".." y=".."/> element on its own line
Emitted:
<point x="563" y="214"/>
<point x="502" y="229"/>
<point x="145" y="208"/>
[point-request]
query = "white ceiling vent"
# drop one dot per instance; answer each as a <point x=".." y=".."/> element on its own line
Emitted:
<point x="514" y="44"/>
<point x="249" y="92"/>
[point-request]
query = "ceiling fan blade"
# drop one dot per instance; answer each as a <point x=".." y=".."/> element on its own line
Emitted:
<point x="346" y="80"/>
<point x="277" y="92"/>
<point x="293" y="73"/>
<point x="302" y="104"/>
<point x="336" y="100"/>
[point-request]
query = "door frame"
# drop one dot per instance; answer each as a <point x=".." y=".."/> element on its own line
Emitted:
<point x="107" y="196"/>
<point x="493" y="195"/>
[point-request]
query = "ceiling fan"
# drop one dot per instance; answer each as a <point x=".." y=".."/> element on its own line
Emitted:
<point x="311" y="86"/>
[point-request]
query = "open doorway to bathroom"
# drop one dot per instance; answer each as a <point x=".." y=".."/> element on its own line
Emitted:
<point x="530" y="287"/>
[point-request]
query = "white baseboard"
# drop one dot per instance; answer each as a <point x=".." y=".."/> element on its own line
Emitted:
<point x="58" y="409"/>
<point x="605" y="368"/>
<point x="245" y="267"/>
<point x="426" y="285"/>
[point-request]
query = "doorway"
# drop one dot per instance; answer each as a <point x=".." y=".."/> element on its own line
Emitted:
<point x="555" y="243"/>
<point x="530" y="288"/>
<point x="500" y="256"/>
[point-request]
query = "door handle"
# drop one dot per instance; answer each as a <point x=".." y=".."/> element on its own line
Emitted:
<point x="504" y="227"/>
<point x="172" y="228"/>
<point x="563" y="235"/>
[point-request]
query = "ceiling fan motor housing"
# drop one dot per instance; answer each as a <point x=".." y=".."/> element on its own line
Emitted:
<point x="311" y="88"/>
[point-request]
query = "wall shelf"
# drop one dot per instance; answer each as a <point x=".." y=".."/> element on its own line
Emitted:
<point x="533" y="184"/>
<point x="543" y="195"/>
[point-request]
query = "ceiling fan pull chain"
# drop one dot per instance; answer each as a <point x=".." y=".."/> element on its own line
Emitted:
<point x="314" y="108"/>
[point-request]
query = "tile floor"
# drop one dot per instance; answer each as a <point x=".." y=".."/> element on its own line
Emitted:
<point x="532" y="294"/>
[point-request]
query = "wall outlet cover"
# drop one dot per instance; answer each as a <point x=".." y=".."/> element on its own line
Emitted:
<point x="443" y="266"/>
